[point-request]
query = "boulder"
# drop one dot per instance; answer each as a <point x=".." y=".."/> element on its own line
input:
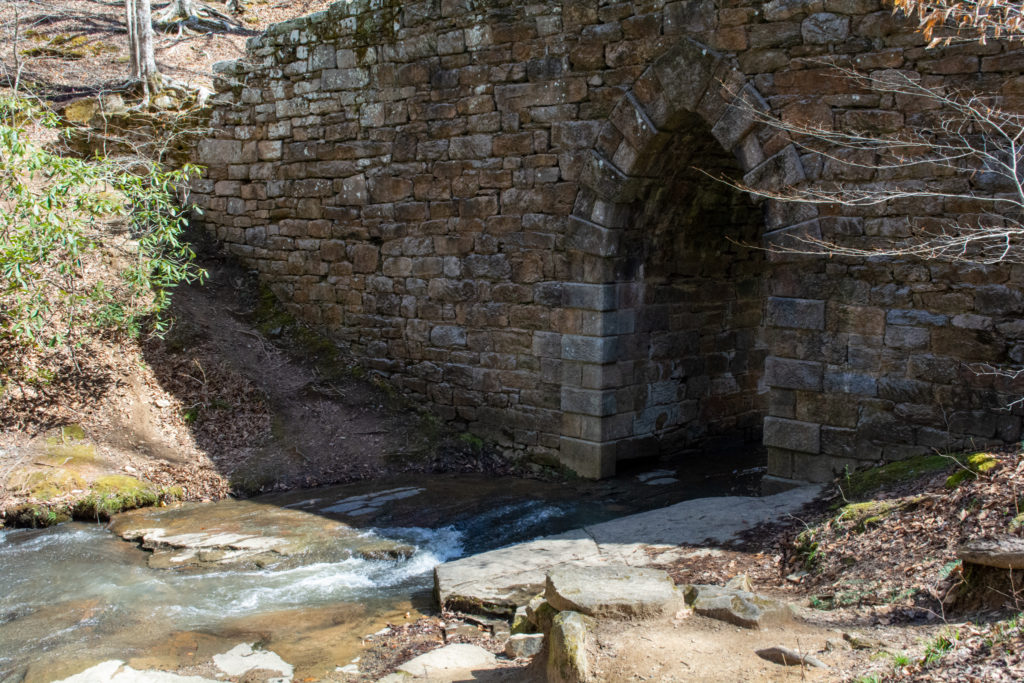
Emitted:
<point x="539" y="614"/>
<point x="524" y="645"/>
<point x="738" y="607"/>
<point x="572" y="636"/>
<point x="1002" y="553"/>
<point x="616" y="591"/>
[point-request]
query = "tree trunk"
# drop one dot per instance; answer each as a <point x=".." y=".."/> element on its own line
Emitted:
<point x="184" y="9"/>
<point x="142" y="60"/>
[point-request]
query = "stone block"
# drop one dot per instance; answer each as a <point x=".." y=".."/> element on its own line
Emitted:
<point x="739" y="118"/>
<point x="571" y="640"/>
<point x="345" y="79"/>
<point x="792" y="435"/>
<point x="524" y="645"/>
<point x="607" y="180"/>
<point x="825" y="27"/>
<point x="613" y="591"/>
<point x="593" y="239"/>
<point x="786" y="373"/>
<point x="839" y="381"/>
<point x="364" y="257"/>
<point x="589" y="297"/>
<point x="352" y="191"/>
<point x="821" y="469"/>
<point x="590" y="349"/>
<point x="448" y="336"/>
<point x="593" y="402"/>
<point x="220" y="151"/>
<point x="805" y="314"/>
<point x="685" y="72"/>
<point x="470" y="147"/>
<point x="388" y="189"/>
<point x="586" y="458"/>
<point x="783" y="169"/>
<point x="902" y="337"/>
<point x="738" y="607"/>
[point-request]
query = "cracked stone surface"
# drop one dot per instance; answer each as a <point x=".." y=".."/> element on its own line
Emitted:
<point x="244" y="533"/>
<point x="501" y="580"/>
<point x="616" y="591"/>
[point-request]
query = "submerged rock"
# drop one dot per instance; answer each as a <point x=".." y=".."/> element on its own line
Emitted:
<point x="242" y="533"/>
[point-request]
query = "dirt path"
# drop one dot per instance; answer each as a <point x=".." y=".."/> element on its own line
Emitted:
<point x="306" y="429"/>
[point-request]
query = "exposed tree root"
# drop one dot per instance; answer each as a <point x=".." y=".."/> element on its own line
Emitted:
<point x="182" y="15"/>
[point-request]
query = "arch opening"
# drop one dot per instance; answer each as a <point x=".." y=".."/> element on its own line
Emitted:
<point x="697" y="351"/>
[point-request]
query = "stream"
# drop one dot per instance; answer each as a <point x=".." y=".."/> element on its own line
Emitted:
<point x="79" y="594"/>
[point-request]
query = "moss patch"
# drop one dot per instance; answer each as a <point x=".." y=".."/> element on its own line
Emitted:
<point x="976" y="464"/>
<point x="861" y="516"/>
<point x="69" y="449"/>
<point x="864" y="482"/>
<point x="48" y="484"/>
<point x="117" y="493"/>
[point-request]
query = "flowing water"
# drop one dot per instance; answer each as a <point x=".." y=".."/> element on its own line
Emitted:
<point x="78" y="594"/>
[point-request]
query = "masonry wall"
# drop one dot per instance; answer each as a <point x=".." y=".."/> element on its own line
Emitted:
<point x="494" y="204"/>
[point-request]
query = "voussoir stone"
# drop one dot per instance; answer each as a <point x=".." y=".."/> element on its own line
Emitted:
<point x="617" y="591"/>
<point x="738" y="607"/>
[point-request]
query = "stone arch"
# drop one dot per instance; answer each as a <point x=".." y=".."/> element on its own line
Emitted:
<point x="689" y="88"/>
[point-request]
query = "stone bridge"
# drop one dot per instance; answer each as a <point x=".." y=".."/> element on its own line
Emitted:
<point x="506" y="209"/>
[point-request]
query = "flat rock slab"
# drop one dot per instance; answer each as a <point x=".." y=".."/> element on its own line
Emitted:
<point x="1002" y="553"/>
<point x="501" y="580"/>
<point x="242" y="659"/>
<point x="738" y="607"/>
<point x="244" y="533"/>
<point x="458" y="657"/>
<point x="116" y="671"/>
<point x="615" y="591"/>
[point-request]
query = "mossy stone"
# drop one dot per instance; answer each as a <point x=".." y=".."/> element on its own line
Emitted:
<point x="866" y="514"/>
<point x="978" y="463"/>
<point x="866" y="481"/>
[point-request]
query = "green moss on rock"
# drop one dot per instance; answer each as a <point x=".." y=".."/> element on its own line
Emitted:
<point x="46" y="485"/>
<point x="861" y="516"/>
<point x="866" y="481"/>
<point x="978" y="463"/>
<point x="117" y="493"/>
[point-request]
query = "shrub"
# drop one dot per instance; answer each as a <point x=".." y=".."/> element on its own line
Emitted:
<point x="66" y="223"/>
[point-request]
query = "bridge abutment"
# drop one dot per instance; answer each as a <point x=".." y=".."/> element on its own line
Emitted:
<point x="508" y="210"/>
